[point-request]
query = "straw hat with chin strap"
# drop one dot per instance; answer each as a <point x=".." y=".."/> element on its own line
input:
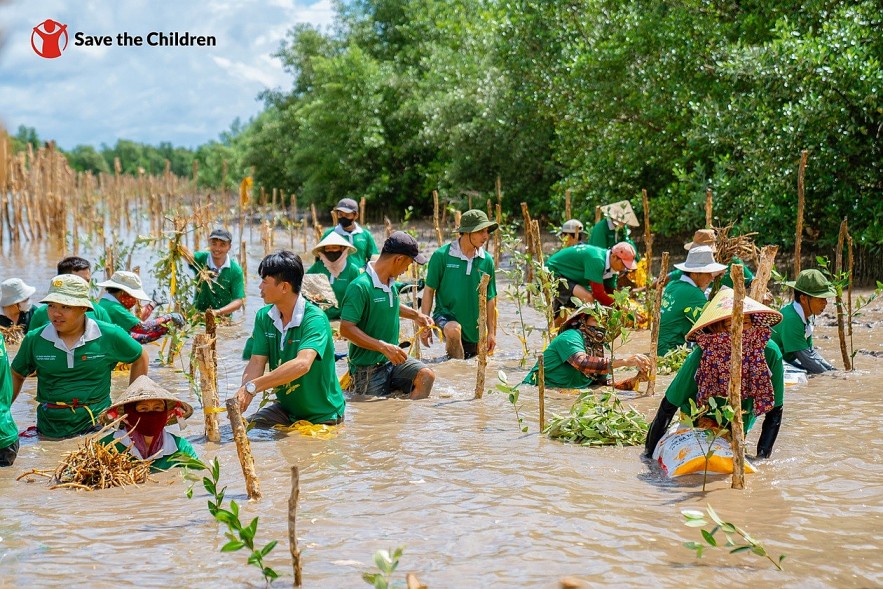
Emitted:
<point x="720" y="308"/>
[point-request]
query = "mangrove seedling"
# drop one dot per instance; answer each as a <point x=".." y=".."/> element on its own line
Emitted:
<point x="387" y="561"/>
<point x="672" y="361"/>
<point x="239" y="536"/>
<point x="723" y="414"/>
<point x="696" y="519"/>
<point x="599" y="420"/>
<point x="512" y="393"/>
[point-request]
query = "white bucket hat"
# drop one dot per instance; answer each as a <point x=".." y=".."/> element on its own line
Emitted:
<point x="701" y="259"/>
<point x="14" y="291"/>
<point x="128" y="282"/>
<point x="333" y="239"/>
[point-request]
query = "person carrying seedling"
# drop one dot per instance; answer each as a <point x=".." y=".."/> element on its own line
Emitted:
<point x="585" y="268"/>
<point x="293" y="336"/>
<point x="794" y="334"/>
<point x="706" y="371"/>
<point x="73" y="357"/>
<point x="684" y="299"/>
<point x="220" y="284"/>
<point x="452" y="279"/>
<point x="369" y="318"/>
<point x="347" y="212"/>
<point x="333" y="254"/>
<point x="571" y="233"/>
<point x="79" y="267"/>
<point x="15" y="303"/>
<point x="122" y="291"/>
<point x="575" y="359"/>
<point x="146" y="409"/>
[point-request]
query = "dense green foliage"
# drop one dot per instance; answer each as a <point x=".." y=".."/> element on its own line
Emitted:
<point x="600" y="97"/>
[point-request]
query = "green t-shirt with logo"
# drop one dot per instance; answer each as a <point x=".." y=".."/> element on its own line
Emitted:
<point x="374" y="311"/>
<point x="604" y="237"/>
<point x="684" y="387"/>
<point x="41" y="315"/>
<point x="163" y="462"/>
<point x="790" y="333"/>
<point x="362" y="241"/>
<point x="559" y="373"/>
<point x="8" y="430"/>
<point x="339" y="284"/>
<point x="682" y="303"/>
<point x="119" y="315"/>
<point x="316" y="396"/>
<point x="79" y="378"/>
<point x="456" y="282"/>
<point x="582" y="263"/>
<point x="225" y="288"/>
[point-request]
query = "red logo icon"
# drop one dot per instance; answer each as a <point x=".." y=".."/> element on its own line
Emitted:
<point x="49" y="33"/>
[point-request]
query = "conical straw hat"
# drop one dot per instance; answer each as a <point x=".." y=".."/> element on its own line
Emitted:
<point x="721" y="307"/>
<point x="333" y="239"/>
<point x="143" y="389"/>
<point x="621" y="212"/>
<point x="317" y="289"/>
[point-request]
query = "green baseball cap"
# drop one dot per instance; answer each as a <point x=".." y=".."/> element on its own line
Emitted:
<point x="475" y="220"/>
<point x="70" y="290"/>
<point x="813" y="283"/>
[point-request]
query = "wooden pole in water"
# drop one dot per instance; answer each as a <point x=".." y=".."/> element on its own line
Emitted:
<point x="648" y="236"/>
<point x="654" y="326"/>
<point x="482" y="336"/>
<point x="849" y="297"/>
<point x="497" y="240"/>
<point x="528" y="234"/>
<point x="567" y="212"/>
<point x="292" y="525"/>
<point x="363" y="204"/>
<point x="243" y="448"/>
<point x="207" y="362"/>
<point x="838" y="268"/>
<point x="438" y="233"/>
<point x="243" y="261"/>
<point x="541" y="384"/>
<point x="764" y="270"/>
<point x="735" y="388"/>
<point x="709" y="204"/>
<point x="798" y="235"/>
<point x="413" y="582"/>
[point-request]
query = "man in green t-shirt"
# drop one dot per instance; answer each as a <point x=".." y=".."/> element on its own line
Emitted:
<point x="8" y="430"/>
<point x="794" y="334"/>
<point x="292" y="336"/>
<point x="369" y="318"/>
<point x="684" y="299"/>
<point x="220" y="285"/>
<point x="347" y="212"/>
<point x="585" y="269"/>
<point x="80" y="267"/>
<point x="73" y="357"/>
<point x="333" y="260"/>
<point x="122" y="291"/>
<point x="452" y="280"/>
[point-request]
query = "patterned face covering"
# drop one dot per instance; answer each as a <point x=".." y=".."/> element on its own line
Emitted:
<point x="593" y="338"/>
<point x="713" y="375"/>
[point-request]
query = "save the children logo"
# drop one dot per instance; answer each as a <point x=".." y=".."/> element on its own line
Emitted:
<point x="52" y="37"/>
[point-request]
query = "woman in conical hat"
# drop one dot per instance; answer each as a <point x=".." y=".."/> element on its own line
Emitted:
<point x="148" y="409"/>
<point x="706" y="371"/>
<point x="333" y="260"/>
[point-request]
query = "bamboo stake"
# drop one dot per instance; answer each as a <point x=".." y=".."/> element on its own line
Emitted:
<point x="597" y="213"/>
<point x="438" y="233"/>
<point x="333" y="217"/>
<point x="798" y="236"/>
<point x="735" y="387"/>
<point x="849" y="296"/>
<point x="413" y="582"/>
<point x="648" y="236"/>
<point x="243" y="261"/>
<point x="292" y="525"/>
<point x="709" y="203"/>
<point x="482" y="336"/>
<point x="567" y="215"/>
<point x="654" y="327"/>
<point x="497" y="238"/>
<point x="528" y="233"/>
<point x="764" y="270"/>
<point x="267" y="237"/>
<point x="243" y="448"/>
<point x="363" y="204"/>
<point x="541" y="384"/>
<point x="388" y="225"/>
<point x="207" y="362"/>
<point x="490" y="211"/>
<point x="838" y="268"/>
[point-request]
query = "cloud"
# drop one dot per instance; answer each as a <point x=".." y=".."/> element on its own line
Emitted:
<point x="185" y="95"/>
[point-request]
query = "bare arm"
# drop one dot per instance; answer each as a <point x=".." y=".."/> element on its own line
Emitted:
<point x="253" y="370"/>
<point x="139" y="367"/>
<point x="428" y="299"/>
<point x="229" y="308"/>
<point x="17" y="381"/>
<point x="491" y="325"/>
<point x="350" y="331"/>
<point x="422" y="319"/>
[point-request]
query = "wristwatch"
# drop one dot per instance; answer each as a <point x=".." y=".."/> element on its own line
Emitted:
<point x="251" y="388"/>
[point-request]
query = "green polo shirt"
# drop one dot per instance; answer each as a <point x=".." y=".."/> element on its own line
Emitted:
<point x="81" y="376"/>
<point x="362" y="241"/>
<point x="559" y="373"/>
<point x="373" y="310"/>
<point x="456" y="282"/>
<point x="604" y="237"/>
<point x="581" y="263"/>
<point x="339" y="284"/>
<point x="227" y="287"/>
<point x="316" y="396"/>
<point x="684" y="387"/>
<point x="165" y="462"/>
<point x="8" y="430"/>
<point x="119" y="315"/>
<point x="790" y="333"/>
<point x="41" y="315"/>
<point x="682" y="302"/>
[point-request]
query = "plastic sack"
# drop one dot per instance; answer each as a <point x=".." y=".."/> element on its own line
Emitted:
<point x="682" y="451"/>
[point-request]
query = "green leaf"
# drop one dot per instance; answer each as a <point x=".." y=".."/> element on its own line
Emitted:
<point x="695" y="523"/>
<point x="224" y="516"/>
<point x="709" y="538"/>
<point x="189" y="492"/>
<point x="249" y="531"/>
<point x="758" y="550"/>
<point x="692" y="545"/>
<point x="692" y="514"/>
<point x="382" y="560"/>
<point x="714" y="516"/>
<point x="369" y="577"/>
<point x="740" y="549"/>
<point x="270" y="573"/>
<point x="234" y="508"/>
<point x="266" y="549"/>
<point x="232" y="546"/>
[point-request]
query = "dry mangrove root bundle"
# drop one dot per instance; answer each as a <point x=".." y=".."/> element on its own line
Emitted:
<point x="12" y="335"/>
<point x="741" y="246"/>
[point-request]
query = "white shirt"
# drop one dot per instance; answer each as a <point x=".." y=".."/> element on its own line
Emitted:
<point x="91" y="333"/>
<point x="169" y="446"/>
<point x="456" y="252"/>
<point x="387" y="288"/>
<point x="211" y="263"/>
<point x="297" y="317"/>
<point x="808" y="326"/>
<point x="348" y="234"/>
<point x="608" y="272"/>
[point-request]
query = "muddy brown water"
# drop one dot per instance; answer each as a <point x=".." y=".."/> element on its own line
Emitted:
<point x="475" y="502"/>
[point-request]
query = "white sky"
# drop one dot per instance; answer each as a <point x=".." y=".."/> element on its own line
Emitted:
<point x="185" y="95"/>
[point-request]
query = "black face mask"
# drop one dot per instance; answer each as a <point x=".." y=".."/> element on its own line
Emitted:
<point x="346" y="223"/>
<point x="333" y="256"/>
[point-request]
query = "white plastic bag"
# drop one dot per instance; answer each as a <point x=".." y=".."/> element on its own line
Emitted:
<point x="682" y="451"/>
